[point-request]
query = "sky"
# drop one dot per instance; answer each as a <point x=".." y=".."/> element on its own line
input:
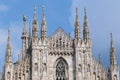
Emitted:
<point x="103" y="18"/>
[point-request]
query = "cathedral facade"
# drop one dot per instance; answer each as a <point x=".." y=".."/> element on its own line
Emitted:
<point x="59" y="56"/>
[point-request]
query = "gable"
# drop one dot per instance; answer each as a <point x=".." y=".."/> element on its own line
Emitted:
<point x="60" y="39"/>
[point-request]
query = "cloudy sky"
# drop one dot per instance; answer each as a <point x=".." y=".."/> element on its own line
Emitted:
<point x="103" y="18"/>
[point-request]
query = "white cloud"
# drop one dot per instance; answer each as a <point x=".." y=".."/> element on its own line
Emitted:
<point x="3" y="7"/>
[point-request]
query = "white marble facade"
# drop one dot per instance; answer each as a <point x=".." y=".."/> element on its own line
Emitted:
<point x="59" y="56"/>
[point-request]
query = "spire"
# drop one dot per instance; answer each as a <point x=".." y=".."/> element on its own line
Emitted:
<point x="77" y="26"/>
<point x="35" y="25"/>
<point x="43" y="16"/>
<point x="86" y="29"/>
<point x="24" y="35"/>
<point x="8" y="42"/>
<point x="112" y="52"/>
<point x="35" y="15"/>
<point x="8" y="50"/>
<point x="112" y="43"/>
<point x="43" y="25"/>
<point x="77" y="18"/>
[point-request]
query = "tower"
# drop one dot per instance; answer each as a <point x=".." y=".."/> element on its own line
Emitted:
<point x="8" y="67"/>
<point x="114" y="69"/>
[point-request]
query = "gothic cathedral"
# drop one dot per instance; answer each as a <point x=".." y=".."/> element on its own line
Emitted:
<point x="59" y="56"/>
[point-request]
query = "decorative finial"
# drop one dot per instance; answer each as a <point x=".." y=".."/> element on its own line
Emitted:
<point x="112" y="45"/>
<point x="43" y="16"/>
<point x="43" y="10"/>
<point x="77" y="18"/>
<point x="35" y="16"/>
<point x="8" y="31"/>
<point x="85" y="13"/>
<point x="76" y="10"/>
<point x="8" y="43"/>
<point x="111" y="36"/>
<point x="76" y="13"/>
<point x="35" y="9"/>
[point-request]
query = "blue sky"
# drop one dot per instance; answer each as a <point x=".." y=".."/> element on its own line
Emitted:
<point x="103" y="18"/>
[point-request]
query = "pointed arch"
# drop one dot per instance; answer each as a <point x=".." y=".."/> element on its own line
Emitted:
<point x="61" y="69"/>
<point x="8" y="75"/>
<point x="115" y="77"/>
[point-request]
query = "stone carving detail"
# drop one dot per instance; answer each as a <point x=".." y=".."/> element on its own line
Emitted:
<point x="60" y="40"/>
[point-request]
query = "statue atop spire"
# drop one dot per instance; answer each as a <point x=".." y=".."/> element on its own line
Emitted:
<point x="24" y="33"/>
<point x="24" y="36"/>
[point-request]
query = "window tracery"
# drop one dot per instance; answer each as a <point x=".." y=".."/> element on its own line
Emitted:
<point x="61" y="70"/>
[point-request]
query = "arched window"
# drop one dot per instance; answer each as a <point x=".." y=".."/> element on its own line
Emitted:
<point x="98" y="78"/>
<point x="80" y="68"/>
<point x="15" y="76"/>
<point x="36" y="67"/>
<point x="94" y="75"/>
<point x="44" y="67"/>
<point x="61" y="70"/>
<point x="115" y="77"/>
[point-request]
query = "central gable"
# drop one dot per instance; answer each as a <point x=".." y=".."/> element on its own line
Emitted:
<point x="60" y="39"/>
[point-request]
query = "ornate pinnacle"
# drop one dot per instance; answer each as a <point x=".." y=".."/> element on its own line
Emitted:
<point x="77" y="18"/>
<point x="112" y="44"/>
<point x="43" y="16"/>
<point x="35" y="16"/>
<point x="85" y="13"/>
<point x="8" y="42"/>
<point x="43" y="11"/>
